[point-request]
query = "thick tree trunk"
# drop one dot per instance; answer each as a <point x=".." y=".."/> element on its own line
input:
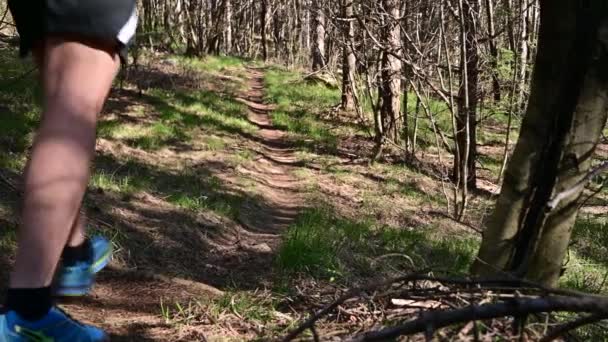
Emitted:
<point x="349" y="61"/>
<point x="318" y="49"/>
<point x="561" y="129"/>
<point x="391" y="71"/>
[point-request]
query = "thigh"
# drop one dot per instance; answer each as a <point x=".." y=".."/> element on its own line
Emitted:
<point x="77" y="74"/>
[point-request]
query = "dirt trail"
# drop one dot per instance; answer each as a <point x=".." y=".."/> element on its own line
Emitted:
<point x="273" y="168"/>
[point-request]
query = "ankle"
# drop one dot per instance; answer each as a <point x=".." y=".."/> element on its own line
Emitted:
<point x="75" y="254"/>
<point x="30" y="304"/>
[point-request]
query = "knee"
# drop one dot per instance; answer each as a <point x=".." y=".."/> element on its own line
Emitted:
<point x="73" y="108"/>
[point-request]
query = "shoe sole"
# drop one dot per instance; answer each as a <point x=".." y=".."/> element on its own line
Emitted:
<point x="103" y="261"/>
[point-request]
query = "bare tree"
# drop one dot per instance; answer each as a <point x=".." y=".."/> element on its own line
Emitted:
<point x="318" y="49"/>
<point x="391" y="68"/>
<point x="349" y="59"/>
<point x="466" y="134"/>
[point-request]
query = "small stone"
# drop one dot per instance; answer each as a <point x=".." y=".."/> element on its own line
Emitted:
<point x="262" y="248"/>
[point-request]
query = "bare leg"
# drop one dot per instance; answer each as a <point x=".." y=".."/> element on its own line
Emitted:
<point x="76" y="79"/>
<point x="78" y="231"/>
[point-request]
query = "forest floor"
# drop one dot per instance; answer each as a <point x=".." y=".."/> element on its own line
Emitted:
<point x="239" y="199"/>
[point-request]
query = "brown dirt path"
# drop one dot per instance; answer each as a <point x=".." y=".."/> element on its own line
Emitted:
<point x="273" y="168"/>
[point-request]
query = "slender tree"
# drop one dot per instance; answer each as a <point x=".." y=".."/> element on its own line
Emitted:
<point x="391" y="70"/>
<point x="318" y="49"/>
<point x="466" y="134"/>
<point x="349" y="59"/>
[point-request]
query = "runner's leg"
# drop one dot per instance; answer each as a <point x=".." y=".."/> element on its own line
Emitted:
<point x="78" y="231"/>
<point x="76" y="77"/>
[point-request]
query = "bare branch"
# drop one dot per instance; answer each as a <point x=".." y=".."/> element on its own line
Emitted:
<point x="570" y="326"/>
<point x="577" y="188"/>
<point x="517" y="307"/>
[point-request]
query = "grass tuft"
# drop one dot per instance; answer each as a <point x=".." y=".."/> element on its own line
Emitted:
<point x="298" y="106"/>
<point x="323" y="245"/>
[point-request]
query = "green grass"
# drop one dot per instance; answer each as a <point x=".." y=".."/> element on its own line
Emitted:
<point x="202" y="109"/>
<point x="409" y="190"/>
<point x="212" y="63"/>
<point x="147" y="137"/>
<point x="213" y="143"/>
<point x="250" y="309"/>
<point x="587" y="260"/>
<point x="440" y="113"/>
<point x="298" y="108"/>
<point x="123" y="184"/>
<point x="182" y="115"/>
<point x="323" y="245"/>
<point x="19" y="108"/>
<point x="490" y="163"/>
<point x="190" y="188"/>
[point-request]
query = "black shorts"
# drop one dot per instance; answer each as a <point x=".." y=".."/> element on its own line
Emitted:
<point x="107" y="20"/>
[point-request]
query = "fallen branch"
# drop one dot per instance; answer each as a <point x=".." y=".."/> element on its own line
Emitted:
<point x="309" y="323"/>
<point x="570" y="326"/>
<point x="422" y="276"/>
<point x="431" y="321"/>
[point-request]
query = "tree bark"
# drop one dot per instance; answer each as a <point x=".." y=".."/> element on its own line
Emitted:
<point x="264" y="26"/>
<point x="391" y="70"/>
<point x="228" y="27"/>
<point x="523" y="54"/>
<point x="318" y="49"/>
<point x="466" y="135"/>
<point x="349" y="61"/>
<point x="561" y="129"/>
<point x="493" y="50"/>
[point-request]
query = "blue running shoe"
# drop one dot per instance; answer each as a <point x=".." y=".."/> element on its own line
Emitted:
<point x="77" y="280"/>
<point x="56" y="326"/>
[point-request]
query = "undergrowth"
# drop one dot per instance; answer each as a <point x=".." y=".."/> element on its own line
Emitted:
<point x="298" y="108"/>
<point x="327" y="246"/>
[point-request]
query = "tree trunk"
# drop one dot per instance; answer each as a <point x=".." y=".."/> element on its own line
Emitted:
<point x="559" y="134"/>
<point x="523" y="54"/>
<point x="508" y="5"/>
<point x="466" y="134"/>
<point x="228" y="27"/>
<point x="191" y="40"/>
<point x="318" y="49"/>
<point x="349" y="61"/>
<point x="391" y="70"/>
<point x="264" y="24"/>
<point x="493" y="50"/>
